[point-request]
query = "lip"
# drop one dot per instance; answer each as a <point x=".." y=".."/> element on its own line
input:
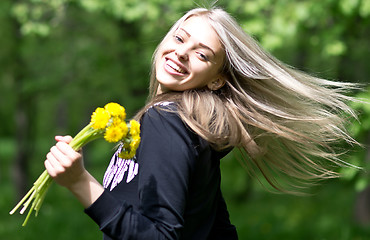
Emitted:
<point x="171" y="70"/>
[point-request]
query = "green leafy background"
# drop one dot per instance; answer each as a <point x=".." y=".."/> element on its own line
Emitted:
<point x="60" y="59"/>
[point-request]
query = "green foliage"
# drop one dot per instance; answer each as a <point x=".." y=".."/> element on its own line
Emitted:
<point x="359" y="156"/>
<point x="61" y="59"/>
<point x="37" y="17"/>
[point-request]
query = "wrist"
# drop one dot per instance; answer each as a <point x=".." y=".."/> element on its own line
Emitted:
<point x="86" y="189"/>
<point x="79" y="183"/>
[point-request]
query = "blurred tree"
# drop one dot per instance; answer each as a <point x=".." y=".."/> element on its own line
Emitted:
<point x="62" y="58"/>
<point x="361" y="156"/>
<point x="61" y="47"/>
<point x="19" y="102"/>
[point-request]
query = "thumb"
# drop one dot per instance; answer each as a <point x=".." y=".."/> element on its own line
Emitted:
<point x="66" y="139"/>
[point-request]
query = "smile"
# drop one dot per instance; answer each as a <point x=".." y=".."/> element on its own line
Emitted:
<point x="176" y="67"/>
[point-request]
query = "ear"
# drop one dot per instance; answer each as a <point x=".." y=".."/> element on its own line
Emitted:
<point x="217" y="83"/>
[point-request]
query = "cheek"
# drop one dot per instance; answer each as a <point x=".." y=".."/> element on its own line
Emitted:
<point x="158" y="64"/>
<point x="166" y="48"/>
<point x="206" y="73"/>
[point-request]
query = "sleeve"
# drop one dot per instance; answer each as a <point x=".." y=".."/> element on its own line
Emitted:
<point x="166" y="157"/>
<point x="222" y="227"/>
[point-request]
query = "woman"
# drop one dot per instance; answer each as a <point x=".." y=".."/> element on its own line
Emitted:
<point x="212" y="89"/>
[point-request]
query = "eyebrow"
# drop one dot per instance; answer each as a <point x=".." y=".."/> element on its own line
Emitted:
<point x="201" y="44"/>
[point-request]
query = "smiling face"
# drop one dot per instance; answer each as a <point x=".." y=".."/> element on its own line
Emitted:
<point x="190" y="59"/>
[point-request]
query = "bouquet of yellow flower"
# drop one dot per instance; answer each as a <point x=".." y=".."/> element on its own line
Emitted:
<point x="108" y="122"/>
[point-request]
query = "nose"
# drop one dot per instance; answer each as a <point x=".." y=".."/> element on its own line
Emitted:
<point x="182" y="53"/>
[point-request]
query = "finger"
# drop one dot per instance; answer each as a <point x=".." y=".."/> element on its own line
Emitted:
<point x="53" y="163"/>
<point x="68" y="151"/>
<point x="66" y="139"/>
<point x="59" y="158"/>
<point x="50" y="168"/>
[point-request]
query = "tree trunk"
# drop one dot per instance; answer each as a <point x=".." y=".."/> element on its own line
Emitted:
<point x="21" y="117"/>
<point x="20" y="168"/>
<point x="362" y="204"/>
<point x="362" y="207"/>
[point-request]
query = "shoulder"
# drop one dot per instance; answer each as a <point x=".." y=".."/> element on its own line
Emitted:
<point x="163" y="107"/>
<point x="166" y="140"/>
<point x="162" y="128"/>
<point x="163" y="119"/>
<point x="162" y="113"/>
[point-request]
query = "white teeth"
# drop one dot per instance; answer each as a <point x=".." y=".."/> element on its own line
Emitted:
<point x="175" y="66"/>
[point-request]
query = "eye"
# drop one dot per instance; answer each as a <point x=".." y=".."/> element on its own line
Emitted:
<point x="203" y="56"/>
<point x="178" y="38"/>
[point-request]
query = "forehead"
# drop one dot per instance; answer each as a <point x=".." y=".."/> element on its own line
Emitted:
<point x="200" y="30"/>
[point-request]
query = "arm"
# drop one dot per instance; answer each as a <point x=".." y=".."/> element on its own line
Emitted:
<point x="66" y="167"/>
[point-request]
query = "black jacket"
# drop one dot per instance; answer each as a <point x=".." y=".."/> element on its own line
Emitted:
<point x="170" y="190"/>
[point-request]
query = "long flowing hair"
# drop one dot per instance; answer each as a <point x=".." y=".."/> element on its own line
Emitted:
<point x="284" y="121"/>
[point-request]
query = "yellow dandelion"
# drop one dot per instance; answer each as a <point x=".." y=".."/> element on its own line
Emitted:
<point x="124" y="128"/>
<point x="116" y="121"/>
<point x="100" y="118"/>
<point x="115" y="110"/>
<point x="127" y="154"/>
<point x="116" y="133"/>
<point x="134" y="128"/>
<point x="134" y="144"/>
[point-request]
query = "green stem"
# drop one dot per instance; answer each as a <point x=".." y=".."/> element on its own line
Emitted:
<point x="43" y="192"/>
<point x="27" y="217"/>
<point x="22" y="201"/>
<point x="82" y="140"/>
<point x="26" y="204"/>
<point x="82" y="132"/>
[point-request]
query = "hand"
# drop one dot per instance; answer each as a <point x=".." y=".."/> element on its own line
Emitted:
<point x="66" y="167"/>
<point x="64" y="164"/>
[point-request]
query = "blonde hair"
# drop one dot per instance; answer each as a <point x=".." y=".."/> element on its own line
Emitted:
<point x="284" y="121"/>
